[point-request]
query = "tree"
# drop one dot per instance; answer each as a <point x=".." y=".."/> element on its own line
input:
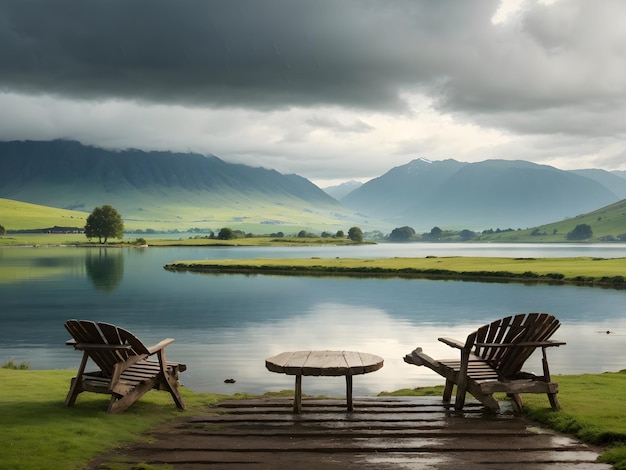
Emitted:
<point x="226" y="233"/>
<point x="402" y="234"/>
<point x="2" y="230"/>
<point x="355" y="234"/>
<point x="104" y="223"/>
<point x="340" y="234"/>
<point x="580" y="232"/>
<point x="435" y="233"/>
<point x="467" y="234"/>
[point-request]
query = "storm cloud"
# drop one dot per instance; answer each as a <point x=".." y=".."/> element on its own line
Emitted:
<point x="306" y="86"/>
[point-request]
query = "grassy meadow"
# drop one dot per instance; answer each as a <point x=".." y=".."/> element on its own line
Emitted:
<point x="38" y="432"/>
<point x="250" y="216"/>
<point x="15" y="215"/>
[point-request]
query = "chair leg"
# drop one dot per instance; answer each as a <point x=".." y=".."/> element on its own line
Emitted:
<point x="75" y="389"/>
<point x="171" y="384"/>
<point x="517" y="402"/>
<point x="554" y="401"/>
<point x="76" y="385"/>
<point x="170" y="381"/>
<point x="447" y="391"/>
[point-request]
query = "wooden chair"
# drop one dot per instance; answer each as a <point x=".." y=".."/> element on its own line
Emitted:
<point x="491" y="359"/>
<point x="126" y="372"/>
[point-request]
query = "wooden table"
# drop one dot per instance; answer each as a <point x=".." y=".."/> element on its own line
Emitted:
<point x="323" y="363"/>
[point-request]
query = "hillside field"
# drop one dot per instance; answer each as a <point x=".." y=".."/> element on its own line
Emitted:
<point x="16" y="215"/>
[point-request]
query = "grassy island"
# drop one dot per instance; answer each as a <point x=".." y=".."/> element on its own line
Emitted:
<point x="602" y="272"/>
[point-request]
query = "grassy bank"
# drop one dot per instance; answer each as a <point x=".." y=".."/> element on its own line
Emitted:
<point x="53" y="239"/>
<point x="37" y="432"/>
<point x="588" y="271"/>
<point x="593" y="410"/>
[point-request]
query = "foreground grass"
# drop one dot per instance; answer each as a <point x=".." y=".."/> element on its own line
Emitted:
<point x="593" y="410"/>
<point x="38" y="432"/>
<point x="591" y="271"/>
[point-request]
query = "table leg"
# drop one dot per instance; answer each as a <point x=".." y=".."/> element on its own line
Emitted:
<point x="349" y="392"/>
<point x="297" y="400"/>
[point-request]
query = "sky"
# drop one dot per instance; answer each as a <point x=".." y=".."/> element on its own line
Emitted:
<point x="332" y="90"/>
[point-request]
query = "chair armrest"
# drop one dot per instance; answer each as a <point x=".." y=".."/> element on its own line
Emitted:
<point x="452" y="343"/>
<point x="101" y="347"/>
<point x="160" y="345"/>
<point x="522" y="344"/>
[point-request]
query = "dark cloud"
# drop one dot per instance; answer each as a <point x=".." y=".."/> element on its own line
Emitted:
<point x="249" y="53"/>
<point x="275" y="81"/>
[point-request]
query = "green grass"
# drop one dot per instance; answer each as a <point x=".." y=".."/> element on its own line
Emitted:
<point x="591" y="271"/>
<point x="593" y="408"/>
<point x="15" y="215"/>
<point x="190" y="210"/>
<point x="38" y="432"/>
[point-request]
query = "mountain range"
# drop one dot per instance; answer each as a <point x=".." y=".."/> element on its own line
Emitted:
<point x="165" y="191"/>
<point x="488" y="194"/>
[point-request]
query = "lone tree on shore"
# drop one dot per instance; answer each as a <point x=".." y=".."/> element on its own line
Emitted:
<point x="104" y="223"/>
<point x="226" y="233"/>
<point x="355" y="234"/>
<point x="2" y="230"/>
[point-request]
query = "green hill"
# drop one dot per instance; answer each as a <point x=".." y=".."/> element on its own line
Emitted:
<point x="607" y="224"/>
<point x="15" y="215"/>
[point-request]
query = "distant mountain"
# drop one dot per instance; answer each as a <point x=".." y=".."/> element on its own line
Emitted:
<point x="489" y="194"/>
<point x="341" y="190"/>
<point x="162" y="187"/>
<point x="608" y="179"/>
<point x="620" y="173"/>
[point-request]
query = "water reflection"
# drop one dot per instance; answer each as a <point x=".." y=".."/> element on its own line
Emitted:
<point x="105" y="268"/>
<point x="225" y="326"/>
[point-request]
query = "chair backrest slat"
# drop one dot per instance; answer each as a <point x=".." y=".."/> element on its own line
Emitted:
<point x="521" y="328"/>
<point x="89" y="332"/>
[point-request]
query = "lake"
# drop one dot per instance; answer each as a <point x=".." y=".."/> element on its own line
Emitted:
<point x="226" y="325"/>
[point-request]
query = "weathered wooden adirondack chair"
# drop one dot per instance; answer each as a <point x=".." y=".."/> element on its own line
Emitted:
<point x="491" y="360"/>
<point x="126" y="372"/>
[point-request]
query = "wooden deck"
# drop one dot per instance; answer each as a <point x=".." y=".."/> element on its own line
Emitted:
<point x="381" y="433"/>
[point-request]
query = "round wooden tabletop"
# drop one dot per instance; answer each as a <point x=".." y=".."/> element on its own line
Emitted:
<point x="325" y="363"/>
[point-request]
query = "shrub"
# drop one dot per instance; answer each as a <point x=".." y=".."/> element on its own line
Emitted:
<point x="11" y="364"/>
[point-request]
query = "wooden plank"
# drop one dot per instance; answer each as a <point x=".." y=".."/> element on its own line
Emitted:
<point x="351" y="441"/>
<point x="371" y="362"/>
<point x="287" y="363"/>
<point x="334" y="363"/>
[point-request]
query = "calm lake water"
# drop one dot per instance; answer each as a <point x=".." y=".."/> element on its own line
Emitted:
<point x="226" y="325"/>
